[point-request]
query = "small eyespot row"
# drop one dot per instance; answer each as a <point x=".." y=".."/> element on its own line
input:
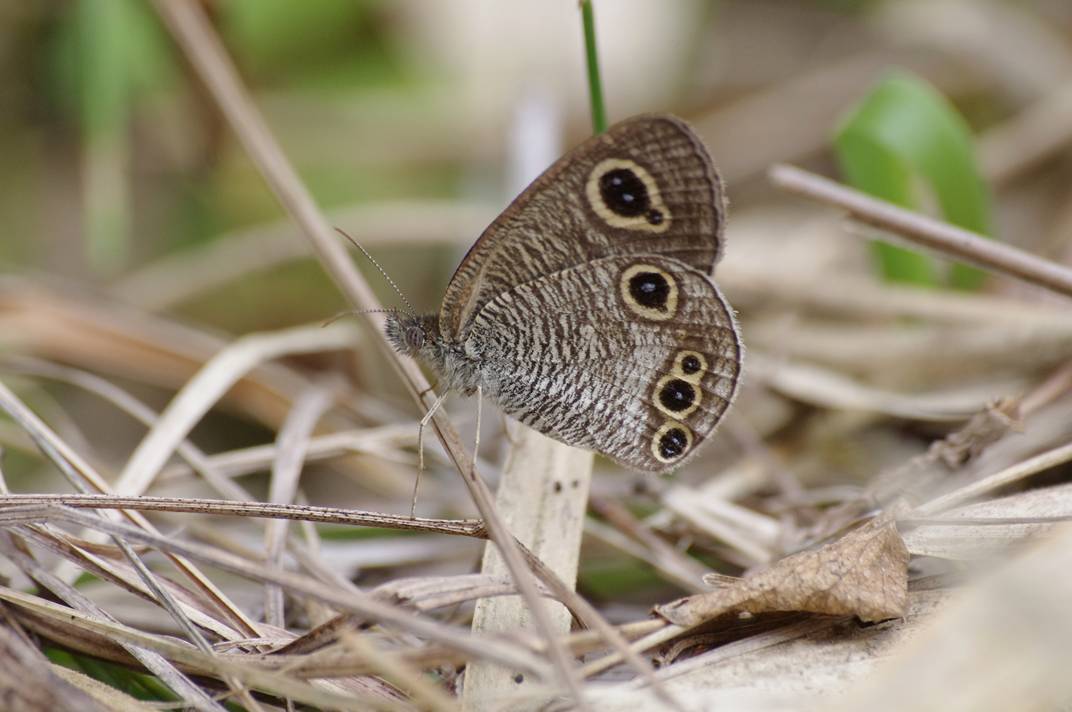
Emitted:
<point x="649" y="292"/>
<point x="677" y="396"/>
<point x="623" y="194"/>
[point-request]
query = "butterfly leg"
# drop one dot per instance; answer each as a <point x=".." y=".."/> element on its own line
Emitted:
<point x="420" y="449"/>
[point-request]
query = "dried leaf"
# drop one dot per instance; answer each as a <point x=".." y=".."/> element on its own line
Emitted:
<point x="864" y="573"/>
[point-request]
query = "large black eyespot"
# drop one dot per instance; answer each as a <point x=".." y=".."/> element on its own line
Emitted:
<point x="624" y="193"/>
<point x="649" y="289"/>
<point x="677" y="395"/>
<point x="673" y="443"/>
<point x="690" y="365"/>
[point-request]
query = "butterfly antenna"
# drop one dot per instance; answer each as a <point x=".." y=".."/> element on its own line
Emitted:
<point x="409" y="307"/>
<point x="355" y="312"/>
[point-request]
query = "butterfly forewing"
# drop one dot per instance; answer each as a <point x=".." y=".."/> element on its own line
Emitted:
<point x="636" y="356"/>
<point x="646" y="186"/>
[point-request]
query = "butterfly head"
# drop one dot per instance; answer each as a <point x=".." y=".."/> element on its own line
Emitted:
<point x="410" y="334"/>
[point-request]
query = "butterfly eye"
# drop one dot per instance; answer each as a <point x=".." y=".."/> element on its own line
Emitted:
<point x="415" y="338"/>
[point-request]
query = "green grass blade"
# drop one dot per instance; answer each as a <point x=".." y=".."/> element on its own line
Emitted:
<point x="595" y="82"/>
<point x="905" y="143"/>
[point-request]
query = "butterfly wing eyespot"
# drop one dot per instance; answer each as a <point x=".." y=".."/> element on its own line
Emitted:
<point x="690" y="365"/>
<point x="649" y="291"/>
<point x="671" y="442"/>
<point x="625" y="195"/>
<point x="676" y="397"/>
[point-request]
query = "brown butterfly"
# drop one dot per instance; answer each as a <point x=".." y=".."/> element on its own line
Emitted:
<point x="587" y="310"/>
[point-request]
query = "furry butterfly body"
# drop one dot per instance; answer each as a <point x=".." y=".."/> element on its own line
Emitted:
<point x="587" y="311"/>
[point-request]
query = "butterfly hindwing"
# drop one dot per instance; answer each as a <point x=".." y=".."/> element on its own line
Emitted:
<point x="636" y="356"/>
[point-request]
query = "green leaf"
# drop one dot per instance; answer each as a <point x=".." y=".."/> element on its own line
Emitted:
<point x="107" y="54"/>
<point x="595" y="81"/>
<point x="906" y="143"/>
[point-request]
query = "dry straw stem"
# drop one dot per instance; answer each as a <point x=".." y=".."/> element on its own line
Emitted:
<point x="69" y="325"/>
<point x="947" y="239"/>
<point x="350" y="601"/>
<point x="85" y="478"/>
<point x="264" y="677"/>
<point x="28" y="680"/>
<point x="988" y="529"/>
<point x="1039" y="463"/>
<point x="191" y="694"/>
<point x="294" y="512"/>
<point x="202" y="47"/>
<point x="214" y="379"/>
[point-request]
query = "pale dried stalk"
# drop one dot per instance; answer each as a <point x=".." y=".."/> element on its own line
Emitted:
<point x="168" y="674"/>
<point x="291" y="445"/>
<point x="28" y="681"/>
<point x="543" y="491"/>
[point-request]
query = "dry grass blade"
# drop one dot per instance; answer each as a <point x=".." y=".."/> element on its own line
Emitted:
<point x="985" y="530"/>
<point x="286" y="471"/>
<point x="29" y="682"/>
<point x="84" y="477"/>
<point x="351" y="601"/>
<point x="213" y="380"/>
<point x="268" y="678"/>
<point x="1039" y="463"/>
<point x="179" y="683"/>
<point x="294" y="512"/>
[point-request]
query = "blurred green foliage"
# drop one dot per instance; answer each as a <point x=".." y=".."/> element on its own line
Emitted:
<point x="906" y="143"/>
<point x="137" y="685"/>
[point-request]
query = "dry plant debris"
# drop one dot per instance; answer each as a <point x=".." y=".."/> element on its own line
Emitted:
<point x="864" y="574"/>
<point x="170" y="549"/>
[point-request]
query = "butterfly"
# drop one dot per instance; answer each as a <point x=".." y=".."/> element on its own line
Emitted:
<point x="587" y="311"/>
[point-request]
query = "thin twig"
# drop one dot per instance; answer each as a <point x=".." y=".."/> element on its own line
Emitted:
<point x="947" y="239"/>
<point x="300" y="512"/>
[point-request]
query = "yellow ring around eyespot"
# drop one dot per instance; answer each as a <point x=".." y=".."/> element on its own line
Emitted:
<point x="638" y="308"/>
<point x="679" y="369"/>
<point x="663" y="430"/>
<point x="635" y="222"/>
<point x="677" y="414"/>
